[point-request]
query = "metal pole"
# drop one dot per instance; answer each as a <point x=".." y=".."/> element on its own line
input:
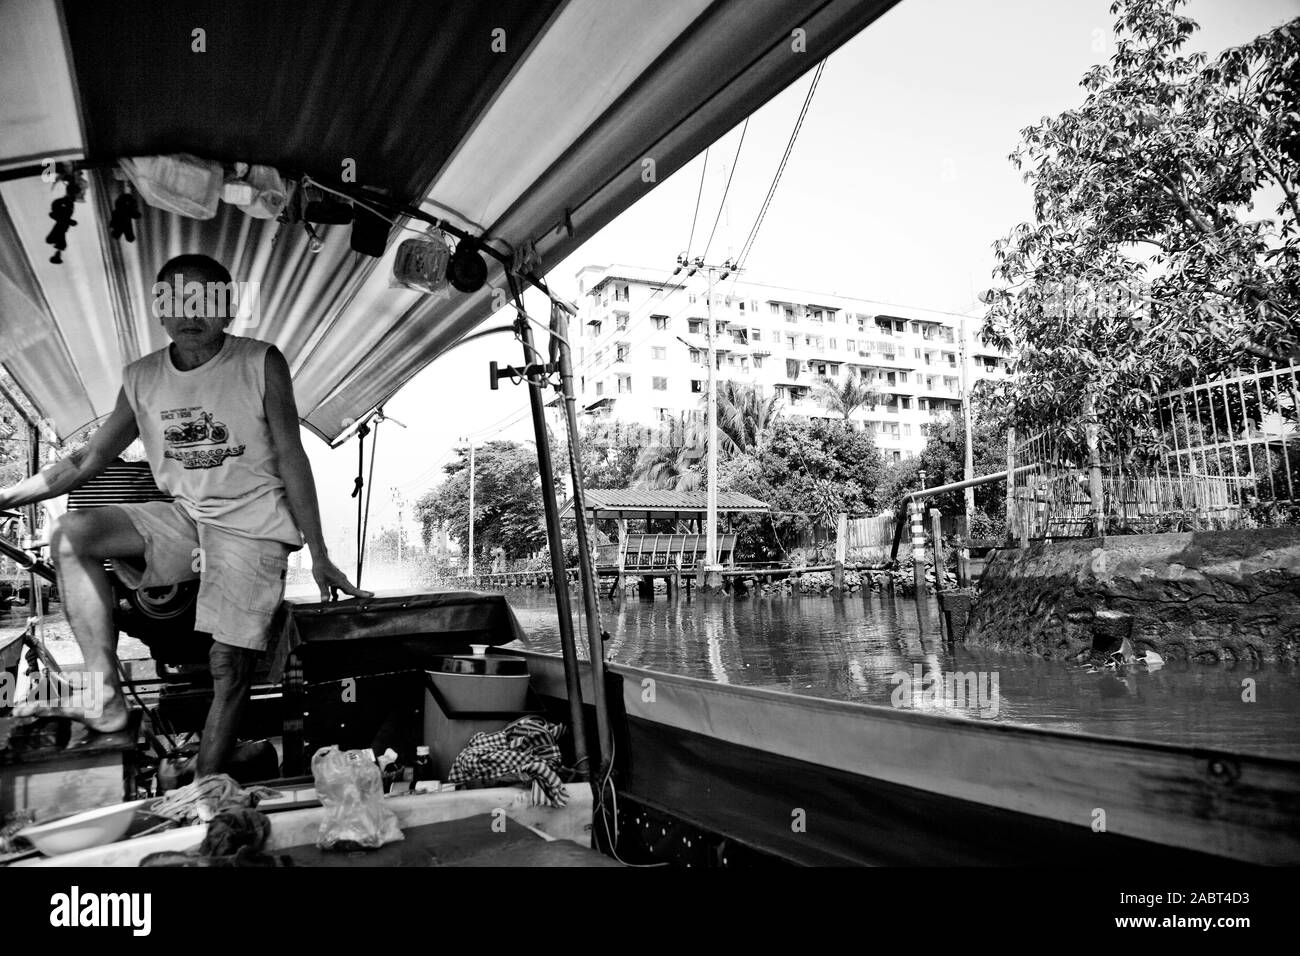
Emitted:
<point x="33" y="466"/>
<point x="966" y="414"/>
<point x="711" y="533"/>
<point x="1012" y="510"/>
<point x="471" y="509"/>
<point x="1096" y="491"/>
<point x="595" y="640"/>
<point x="555" y="541"/>
<point x="918" y="548"/>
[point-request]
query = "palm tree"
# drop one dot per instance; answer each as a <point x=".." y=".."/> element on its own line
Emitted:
<point x="846" y="396"/>
<point x="745" y="420"/>
<point x="667" y="468"/>
<point x="745" y="417"/>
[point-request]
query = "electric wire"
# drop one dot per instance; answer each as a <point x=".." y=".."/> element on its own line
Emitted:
<point x="699" y="192"/>
<point x="726" y="189"/>
<point x="748" y="245"/>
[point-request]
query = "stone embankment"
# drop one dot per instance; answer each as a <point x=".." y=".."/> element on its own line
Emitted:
<point x="1206" y="596"/>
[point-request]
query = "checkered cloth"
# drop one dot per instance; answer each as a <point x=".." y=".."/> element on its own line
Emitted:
<point x="525" y="749"/>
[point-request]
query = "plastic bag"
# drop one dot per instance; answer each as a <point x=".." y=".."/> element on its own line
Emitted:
<point x="183" y="184"/>
<point x="421" y="264"/>
<point x="350" y="789"/>
<point x="259" y="191"/>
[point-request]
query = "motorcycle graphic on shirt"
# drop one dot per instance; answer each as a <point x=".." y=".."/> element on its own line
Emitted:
<point x="196" y="439"/>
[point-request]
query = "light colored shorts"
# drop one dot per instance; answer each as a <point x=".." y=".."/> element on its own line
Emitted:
<point x="241" y="580"/>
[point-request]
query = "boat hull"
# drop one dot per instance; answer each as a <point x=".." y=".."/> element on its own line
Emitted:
<point x="819" y="782"/>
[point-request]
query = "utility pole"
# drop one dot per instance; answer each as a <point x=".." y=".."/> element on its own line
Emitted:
<point x="401" y="504"/>
<point x="969" y="471"/>
<point x="711" y="427"/>
<point x="471" y="503"/>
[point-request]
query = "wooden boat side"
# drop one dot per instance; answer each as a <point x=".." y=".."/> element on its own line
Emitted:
<point x="1210" y="802"/>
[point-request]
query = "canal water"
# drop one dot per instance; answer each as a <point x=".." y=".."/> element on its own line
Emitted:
<point x="881" y="650"/>
<point x="873" y="648"/>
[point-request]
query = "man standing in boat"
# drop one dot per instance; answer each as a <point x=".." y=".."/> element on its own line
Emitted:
<point x="218" y="420"/>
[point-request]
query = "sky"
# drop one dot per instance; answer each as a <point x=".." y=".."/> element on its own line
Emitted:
<point x="898" y="185"/>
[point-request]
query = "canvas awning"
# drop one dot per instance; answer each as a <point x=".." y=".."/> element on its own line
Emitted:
<point x="526" y="122"/>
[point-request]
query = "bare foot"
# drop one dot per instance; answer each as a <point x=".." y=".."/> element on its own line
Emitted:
<point x="106" y="718"/>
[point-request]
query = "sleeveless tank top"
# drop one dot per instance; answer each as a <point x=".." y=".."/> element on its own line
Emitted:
<point x="207" y="439"/>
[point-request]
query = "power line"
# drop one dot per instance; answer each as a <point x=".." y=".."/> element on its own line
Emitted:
<point x="695" y="215"/>
<point x="725" y="189"/>
<point x="776" y="179"/>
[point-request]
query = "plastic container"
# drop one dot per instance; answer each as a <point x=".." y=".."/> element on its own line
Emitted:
<point x="469" y="694"/>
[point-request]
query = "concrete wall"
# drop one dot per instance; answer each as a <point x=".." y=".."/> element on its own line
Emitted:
<point x="1208" y="596"/>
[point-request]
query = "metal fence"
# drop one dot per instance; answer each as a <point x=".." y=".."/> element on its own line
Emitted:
<point x="1223" y="453"/>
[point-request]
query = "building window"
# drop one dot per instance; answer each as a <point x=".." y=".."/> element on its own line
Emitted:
<point x="834" y="370"/>
<point x="851" y="345"/>
<point x="621" y="292"/>
<point x="774" y="308"/>
<point x="897" y="456"/>
<point x="659" y="383"/>
<point x="697" y="356"/>
<point x="697" y="386"/>
<point x="790" y="341"/>
<point x="832" y="343"/>
<point x="691" y="298"/>
<point x="695" y="326"/>
<point x="792" y="368"/>
<point x="595" y="329"/>
<point x="756" y="335"/>
<point x="659" y="352"/>
<point x="758" y="361"/>
<point x="898" y="326"/>
<point x="620" y="321"/>
<point x="621" y="354"/>
<point x="660" y="322"/>
<point x="625" y="384"/>
<point x="907" y="431"/>
<point x="600" y="389"/>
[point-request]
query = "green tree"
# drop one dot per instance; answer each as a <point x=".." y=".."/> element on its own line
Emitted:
<point x="1145" y="265"/>
<point x="808" y="471"/>
<point x="605" y="464"/>
<point x="507" y="500"/>
<point x="944" y="461"/>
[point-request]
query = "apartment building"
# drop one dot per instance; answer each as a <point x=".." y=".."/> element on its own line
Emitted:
<point x="642" y="341"/>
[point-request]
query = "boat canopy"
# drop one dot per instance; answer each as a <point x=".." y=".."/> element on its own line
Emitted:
<point x="527" y="124"/>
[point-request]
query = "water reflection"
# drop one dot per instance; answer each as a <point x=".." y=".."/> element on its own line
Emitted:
<point x="854" y="648"/>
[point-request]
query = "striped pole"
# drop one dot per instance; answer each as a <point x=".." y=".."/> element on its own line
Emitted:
<point x="918" y="547"/>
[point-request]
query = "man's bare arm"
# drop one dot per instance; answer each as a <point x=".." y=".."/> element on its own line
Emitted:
<point x="85" y="463"/>
<point x="295" y="471"/>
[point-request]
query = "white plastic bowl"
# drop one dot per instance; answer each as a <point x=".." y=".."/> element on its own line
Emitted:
<point x="83" y="830"/>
